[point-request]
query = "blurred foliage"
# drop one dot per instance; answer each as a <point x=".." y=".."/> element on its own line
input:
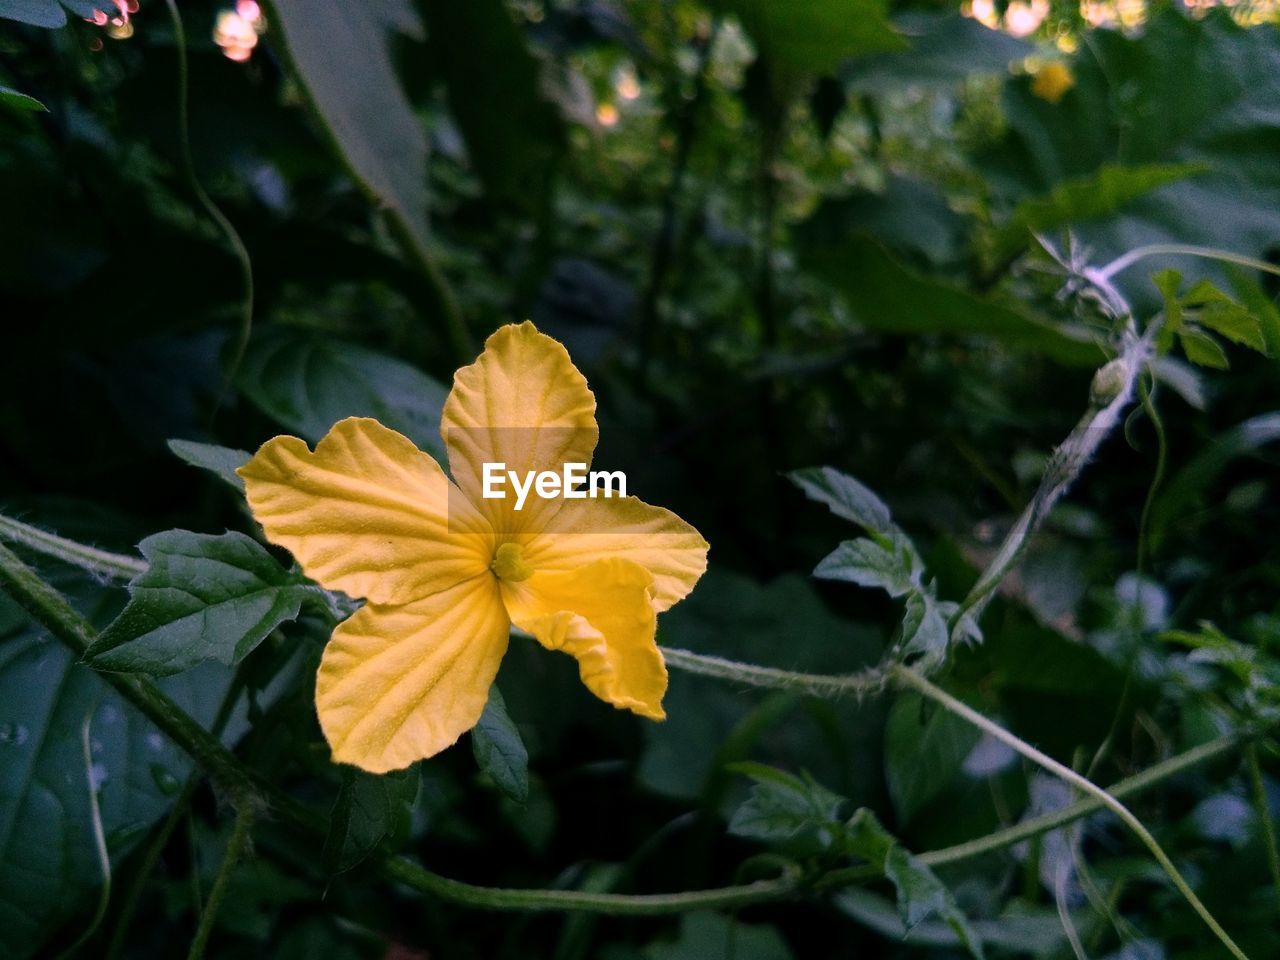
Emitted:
<point x="774" y="235"/>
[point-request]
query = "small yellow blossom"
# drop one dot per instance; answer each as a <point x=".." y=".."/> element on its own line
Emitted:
<point x="1052" y="81"/>
<point x="445" y="572"/>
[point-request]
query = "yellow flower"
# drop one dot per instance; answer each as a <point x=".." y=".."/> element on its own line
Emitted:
<point x="1052" y="81"/>
<point x="445" y="572"/>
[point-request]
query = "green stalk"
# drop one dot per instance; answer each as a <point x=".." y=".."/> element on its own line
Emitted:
<point x="114" y="566"/>
<point x="1264" y="813"/>
<point x="913" y="680"/>
<point x="236" y="846"/>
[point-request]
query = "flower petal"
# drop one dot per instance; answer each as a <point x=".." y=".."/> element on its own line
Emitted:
<point x="367" y="513"/>
<point x="602" y="615"/>
<point x="522" y="403"/>
<point x="628" y="528"/>
<point x="398" y="684"/>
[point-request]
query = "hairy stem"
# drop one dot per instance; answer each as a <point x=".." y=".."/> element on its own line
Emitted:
<point x="1126" y="260"/>
<point x="815" y="684"/>
<point x="50" y="609"/>
<point x="911" y="679"/>
<point x="236" y="846"/>
<point x="99" y="562"/>
<point x="1112" y="390"/>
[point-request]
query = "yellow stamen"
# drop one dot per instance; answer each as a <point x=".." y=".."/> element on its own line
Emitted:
<point x="509" y="563"/>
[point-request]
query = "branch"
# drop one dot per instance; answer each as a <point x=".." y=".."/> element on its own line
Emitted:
<point x="114" y="566"/>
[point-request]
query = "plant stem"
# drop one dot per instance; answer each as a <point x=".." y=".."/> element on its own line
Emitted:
<point x="241" y="252"/>
<point x="1264" y="813"/>
<point x="1126" y="260"/>
<point x="815" y="684"/>
<point x="908" y="677"/>
<point x="51" y="610"/>
<point x="99" y="843"/>
<point x="236" y="846"/>
<point x="112" y="565"/>
<point x="1112" y="390"/>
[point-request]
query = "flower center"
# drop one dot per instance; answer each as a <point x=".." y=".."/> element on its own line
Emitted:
<point x="509" y="563"/>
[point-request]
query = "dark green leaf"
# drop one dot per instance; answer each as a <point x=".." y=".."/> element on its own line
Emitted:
<point x="901" y="301"/>
<point x="369" y="812"/>
<point x="925" y="749"/>
<point x="341" y="54"/>
<point x="784" y="807"/>
<point x="896" y="569"/>
<point x="1079" y="199"/>
<point x="20" y="101"/>
<point x="309" y="383"/>
<point x="711" y="936"/>
<point x="920" y="893"/>
<point x="514" y="150"/>
<point x="48" y="868"/>
<point x="814" y="36"/>
<point x="499" y="750"/>
<point x="202" y="597"/>
<point x="944" y="49"/>
<point x="223" y="461"/>
<point x="845" y="497"/>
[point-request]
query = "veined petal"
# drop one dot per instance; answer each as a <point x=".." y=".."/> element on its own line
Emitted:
<point x="601" y="614"/>
<point x="524" y="404"/>
<point x="398" y="684"/>
<point x="367" y="513"/>
<point x="628" y="528"/>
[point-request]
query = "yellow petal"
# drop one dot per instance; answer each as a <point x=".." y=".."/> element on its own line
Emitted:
<point x="367" y="513"/>
<point x="398" y="684"/>
<point x="628" y="528"/>
<point x="602" y="615"/>
<point x="524" y="404"/>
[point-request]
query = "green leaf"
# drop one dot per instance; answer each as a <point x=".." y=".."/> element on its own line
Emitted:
<point x="370" y="811"/>
<point x="1202" y="349"/>
<point x="223" y="461"/>
<point x="1233" y="322"/>
<point x="845" y="497"/>
<point x="944" y="49"/>
<point x="924" y="752"/>
<point x="920" y="893"/>
<point x="202" y="597"/>
<point x="884" y="295"/>
<point x="308" y="383"/>
<point x="924" y="625"/>
<point x="499" y="750"/>
<point x="514" y="150"/>
<point x="815" y="36"/>
<point x="712" y="936"/>
<point x="1263" y="307"/>
<point x="341" y="53"/>
<point x="784" y="807"/>
<point x="896" y="569"/>
<point x="20" y="101"/>
<point x="48" y="868"/>
<point x="1092" y="197"/>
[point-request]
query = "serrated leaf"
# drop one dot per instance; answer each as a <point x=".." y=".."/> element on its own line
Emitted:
<point x="845" y="497"/>
<point x="924" y="752"/>
<point x="895" y="569"/>
<point x="223" y="461"/>
<point x="202" y="597"/>
<point x="784" y="807"/>
<point x="1234" y="322"/>
<point x="920" y="893"/>
<point x="499" y="750"/>
<point x="308" y="383"/>
<point x="20" y="101"/>
<point x="1202" y="349"/>
<point x="369" y="811"/>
